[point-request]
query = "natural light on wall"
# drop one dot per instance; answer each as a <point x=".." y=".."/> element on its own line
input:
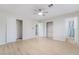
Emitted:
<point x="72" y="28"/>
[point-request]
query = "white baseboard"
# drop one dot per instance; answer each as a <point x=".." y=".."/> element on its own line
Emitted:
<point x="60" y="39"/>
<point x="1" y="43"/>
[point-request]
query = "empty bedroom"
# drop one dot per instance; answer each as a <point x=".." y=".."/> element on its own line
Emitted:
<point x="39" y="29"/>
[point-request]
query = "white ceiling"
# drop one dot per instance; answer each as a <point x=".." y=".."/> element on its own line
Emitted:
<point x="26" y="10"/>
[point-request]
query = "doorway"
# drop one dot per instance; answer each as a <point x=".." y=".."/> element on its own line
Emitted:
<point x="49" y="29"/>
<point x="36" y="29"/>
<point x="19" y="24"/>
<point x="39" y="29"/>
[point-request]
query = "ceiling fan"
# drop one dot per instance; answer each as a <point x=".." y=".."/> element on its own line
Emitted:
<point x="41" y="12"/>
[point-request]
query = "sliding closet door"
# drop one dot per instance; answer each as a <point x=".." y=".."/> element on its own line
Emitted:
<point x="2" y="30"/>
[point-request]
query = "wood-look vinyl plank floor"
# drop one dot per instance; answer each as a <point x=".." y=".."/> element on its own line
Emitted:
<point x="39" y="46"/>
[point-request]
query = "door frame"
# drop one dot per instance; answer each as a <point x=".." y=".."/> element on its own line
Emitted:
<point x="47" y="29"/>
<point x="16" y="27"/>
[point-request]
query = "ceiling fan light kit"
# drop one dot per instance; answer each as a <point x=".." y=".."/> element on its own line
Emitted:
<point x="40" y="13"/>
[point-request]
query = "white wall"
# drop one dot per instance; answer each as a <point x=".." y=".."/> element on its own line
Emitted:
<point x="11" y="29"/>
<point x="59" y="29"/>
<point x="40" y="29"/>
<point x="7" y="28"/>
<point x="28" y="28"/>
<point x="59" y="25"/>
<point x="2" y="28"/>
<point x="58" y="32"/>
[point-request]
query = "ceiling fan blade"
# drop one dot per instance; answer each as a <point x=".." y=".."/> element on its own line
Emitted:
<point x="35" y="10"/>
<point x="34" y="13"/>
<point x="45" y="12"/>
<point x="40" y="10"/>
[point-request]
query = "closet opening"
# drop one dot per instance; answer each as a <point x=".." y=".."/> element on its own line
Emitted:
<point x="19" y="26"/>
